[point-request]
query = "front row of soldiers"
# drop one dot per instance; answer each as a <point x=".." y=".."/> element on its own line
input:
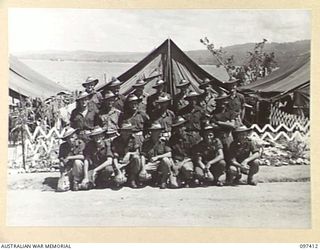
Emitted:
<point x="135" y="142"/>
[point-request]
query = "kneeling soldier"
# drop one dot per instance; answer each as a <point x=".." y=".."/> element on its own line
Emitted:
<point x="244" y="155"/>
<point x="180" y="145"/>
<point x="208" y="157"/>
<point x="98" y="159"/>
<point x="126" y="155"/>
<point x="156" y="156"/>
<point x="71" y="158"/>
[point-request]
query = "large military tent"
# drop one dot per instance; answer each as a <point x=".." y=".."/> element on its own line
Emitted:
<point x="287" y="80"/>
<point x="288" y="88"/>
<point x="166" y="62"/>
<point x="25" y="82"/>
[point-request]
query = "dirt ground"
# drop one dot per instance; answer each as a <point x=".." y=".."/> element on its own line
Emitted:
<point x="281" y="200"/>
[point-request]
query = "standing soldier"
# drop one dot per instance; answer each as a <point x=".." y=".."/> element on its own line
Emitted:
<point x="208" y="97"/>
<point x="155" y="157"/>
<point x="208" y="157"/>
<point x="98" y="159"/>
<point x="244" y="155"/>
<point x="96" y="97"/>
<point x="164" y="116"/>
<point x="133" y="115"/>
<point x="193" y="113"/>
<point x="141" y="94"/>
<point x="179" y="101"/>
<point x="71" y="160"/>
<point x="114" y="87"/>
<point x="126" y="154"/>
<point x="151" y="100"/>
<point x="236" y="102"/>
<point x="181" y="151"/>
<point x="109" y="114"/>
<point x="83" y="118"/>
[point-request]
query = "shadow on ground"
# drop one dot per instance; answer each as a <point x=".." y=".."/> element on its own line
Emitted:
<point x="50" y="183"/>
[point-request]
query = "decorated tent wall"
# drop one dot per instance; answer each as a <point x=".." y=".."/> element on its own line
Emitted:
<point x="25" y="82"/>
<point x="166" y="62"/>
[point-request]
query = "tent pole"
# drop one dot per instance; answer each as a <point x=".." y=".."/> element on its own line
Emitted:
<point x="169" y="65"/>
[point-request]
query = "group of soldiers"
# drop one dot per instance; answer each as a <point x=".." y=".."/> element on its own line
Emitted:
<point x="191" y="139"/>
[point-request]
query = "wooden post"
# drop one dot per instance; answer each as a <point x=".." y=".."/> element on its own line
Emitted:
<point x="169" y="66"/>
<point x="23" y="147"/>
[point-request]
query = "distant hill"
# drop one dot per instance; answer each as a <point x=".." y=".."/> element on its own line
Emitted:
<point x="283" y="53"/>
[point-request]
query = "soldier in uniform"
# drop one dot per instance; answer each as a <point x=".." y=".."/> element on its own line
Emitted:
<point x="164" y="116"/>
<point x="71" y="158"/>
<point x="114" y="87"/>
<point x="244" y="155"/>
<point x="179" y="101"/>
<point x="208" y="157"/>
<point x="227" y="122"/>
<point x="109" y="114"/>
<point x="181" y="151"/>
<point x="83" y="118"/>
<point x="155" y="157"/>
<point x="141" y="94"/>
<point x="126" y="154"/>
<point x="236" y="102"/>
<point x="98" y="159"/>
<point x="96" y="97"/>
<point x="193" y="113"/>
<point x="209" y="95"/>
<point x="135" y="116"/>
<point x="152" y="106"/>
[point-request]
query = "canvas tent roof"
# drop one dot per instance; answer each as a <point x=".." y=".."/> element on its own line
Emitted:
<point x="26" y="82"/>
<point x="166" y="62"/>
<point x="284" y="80"/>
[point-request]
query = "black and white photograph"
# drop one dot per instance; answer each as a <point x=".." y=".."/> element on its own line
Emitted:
<point x="159" y="118"/>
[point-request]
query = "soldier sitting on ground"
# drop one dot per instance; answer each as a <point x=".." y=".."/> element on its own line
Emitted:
<point x="71" y="159"/>
<point x="208" y="157"/>
<point x="155" y="157"/>
<point x="126" y="154"/>
<point x="244" y="155"/>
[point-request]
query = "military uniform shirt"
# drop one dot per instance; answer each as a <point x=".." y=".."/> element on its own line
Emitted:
<point x="84" y="122"/>
<point x="149" y="149"/>
<point x="120" y="148"/>
<point x="165" y="119"/>
<point x="180" y="147"/>
<point x="207" y="151"/>
<point x="193" y="115"/>
<point x="137" y="120"/>
<point x="241" y="150"/>
<point x="236" y="104"/>
<point x="95" y="155"/>
<point x="119" y="102"/>
<point x="110" y="120"/>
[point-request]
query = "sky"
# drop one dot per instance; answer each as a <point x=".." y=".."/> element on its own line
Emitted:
<point x="143" y="30"/>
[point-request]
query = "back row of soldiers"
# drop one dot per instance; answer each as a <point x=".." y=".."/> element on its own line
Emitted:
<point x="140" y="139"/>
